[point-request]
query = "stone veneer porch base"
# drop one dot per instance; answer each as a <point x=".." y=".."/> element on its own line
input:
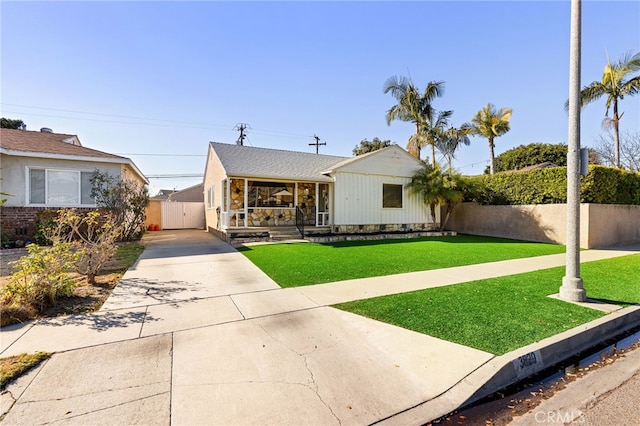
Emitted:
<point x="237" y="236"/>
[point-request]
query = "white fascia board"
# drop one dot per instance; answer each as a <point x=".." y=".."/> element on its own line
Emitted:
<point x="278" y="178"/>
<point x="47" y="155"/>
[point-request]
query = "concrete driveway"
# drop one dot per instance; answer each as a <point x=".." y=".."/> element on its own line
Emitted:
<point x="197" y="334"/>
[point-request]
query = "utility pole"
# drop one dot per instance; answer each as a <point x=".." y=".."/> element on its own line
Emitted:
<point x="572" y="288"/>
<point x="241" y="127"/>
<point x="317" y="143"/>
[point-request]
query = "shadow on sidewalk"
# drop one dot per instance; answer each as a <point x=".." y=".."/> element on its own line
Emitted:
<point x="100" y="321"/>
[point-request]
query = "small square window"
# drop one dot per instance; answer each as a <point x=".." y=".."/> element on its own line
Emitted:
<point x="391" y="196"/>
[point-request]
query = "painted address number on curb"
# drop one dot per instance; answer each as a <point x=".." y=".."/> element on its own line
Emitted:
<point x="528" y="364"/>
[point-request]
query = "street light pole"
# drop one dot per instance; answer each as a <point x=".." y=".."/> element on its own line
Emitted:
<point x="572" y="288"/>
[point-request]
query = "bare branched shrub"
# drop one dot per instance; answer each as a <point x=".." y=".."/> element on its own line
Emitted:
<point x="93" y="236"/>
<point x="123" y="198"/>
<point x="629" y="150"/>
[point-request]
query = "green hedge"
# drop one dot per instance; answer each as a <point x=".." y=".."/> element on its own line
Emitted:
<point x="603" y="185"/>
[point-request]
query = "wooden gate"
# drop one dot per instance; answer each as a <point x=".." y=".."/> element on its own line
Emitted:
<point x="182" y="215"/>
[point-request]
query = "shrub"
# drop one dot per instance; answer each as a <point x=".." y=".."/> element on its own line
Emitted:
<point x="123" y="198"/>
<point x="529" y="155"/>
<point x="93" y="236"/>
<point x="603" y="185"/>
<point x="44" y="222"/>
<point x="41" y="277"/>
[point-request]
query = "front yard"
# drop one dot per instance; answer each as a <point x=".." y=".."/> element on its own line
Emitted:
<point x="292" y="265"/>
<point x="502" y="314"/>
<point x="495" y="315"/>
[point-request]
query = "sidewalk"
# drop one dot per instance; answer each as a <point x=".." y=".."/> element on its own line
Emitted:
<point x="195" y="333"/>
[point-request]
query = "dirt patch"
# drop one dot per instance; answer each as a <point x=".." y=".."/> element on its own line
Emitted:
<point x="86" y="297"/>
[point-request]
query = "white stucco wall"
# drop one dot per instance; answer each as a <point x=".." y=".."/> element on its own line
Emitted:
<point x="214" y="175"/>
<point x="13" y="171"/>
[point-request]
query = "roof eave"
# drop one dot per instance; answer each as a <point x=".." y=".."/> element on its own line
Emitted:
<point x="275" y="177"/>
<point x="111" y="160"/>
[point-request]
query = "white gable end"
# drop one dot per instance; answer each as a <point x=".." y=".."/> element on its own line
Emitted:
<point x="390" y="161"/>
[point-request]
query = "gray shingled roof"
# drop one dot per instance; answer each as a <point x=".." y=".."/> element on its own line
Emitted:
<point x="254" y="162"/>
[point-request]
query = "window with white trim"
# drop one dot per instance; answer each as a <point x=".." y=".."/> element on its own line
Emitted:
<point x="210" y="196"/>
<point x="56" y="187"/>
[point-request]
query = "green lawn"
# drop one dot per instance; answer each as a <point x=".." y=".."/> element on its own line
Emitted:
<point x="502" y="314"/>
<point x="300" y="264"/>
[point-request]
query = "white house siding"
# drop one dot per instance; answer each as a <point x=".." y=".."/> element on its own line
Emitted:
<point x="358" y="201"/>
<point x="358" y="190"/>
<point x="14" y="174"/>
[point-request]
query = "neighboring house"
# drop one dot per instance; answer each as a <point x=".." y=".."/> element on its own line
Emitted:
<point x="42" y="170"/>
<point x="191" y="194"/>
<point x="163" y="194"/>
<point x="247" y="188"/>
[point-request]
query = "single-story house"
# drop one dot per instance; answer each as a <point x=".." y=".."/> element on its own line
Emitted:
<point x="250" y="188"/>
<point x="44" y="170"/>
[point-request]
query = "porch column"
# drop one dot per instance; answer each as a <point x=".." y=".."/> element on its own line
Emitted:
<point x="245" y="203"/>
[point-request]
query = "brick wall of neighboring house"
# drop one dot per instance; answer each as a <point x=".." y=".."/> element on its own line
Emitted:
<point x="17" y="223"/>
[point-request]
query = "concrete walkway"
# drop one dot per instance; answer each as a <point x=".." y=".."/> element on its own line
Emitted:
<point x="196" y="334"/>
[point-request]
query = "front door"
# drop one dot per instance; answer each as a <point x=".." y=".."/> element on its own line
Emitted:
<point x="323" y="205"/>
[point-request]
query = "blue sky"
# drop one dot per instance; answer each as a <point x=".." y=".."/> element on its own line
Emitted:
<point x="156" y="81"/>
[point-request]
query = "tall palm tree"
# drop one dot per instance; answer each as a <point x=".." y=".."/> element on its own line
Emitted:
<point x="449" y="142"/>
<point x="617" y="81"/>
<point x="414" y="107"/>
<point x="489" y="123"/>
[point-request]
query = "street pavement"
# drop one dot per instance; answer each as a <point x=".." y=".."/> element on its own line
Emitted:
<point x="197" y="334"/>
<point x="607" y="396"/>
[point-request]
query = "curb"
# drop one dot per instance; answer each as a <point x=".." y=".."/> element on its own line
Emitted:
<point x="510" y="368"/>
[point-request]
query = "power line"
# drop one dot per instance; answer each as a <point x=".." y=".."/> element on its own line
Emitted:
<point x="474" y="164"/>
<point x="178" y="124"/>
<point x="110" y="121"/>
<point x="111" y="115"/>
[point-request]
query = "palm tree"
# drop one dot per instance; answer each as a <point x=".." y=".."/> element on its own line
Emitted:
<point x="434" y="131"/>
<point x="413" y="107"/>
<point x="614" y="86"/>
<point x="449" y="142"/>
<point x="489" y="123"/>
<point x="438" y="188"/>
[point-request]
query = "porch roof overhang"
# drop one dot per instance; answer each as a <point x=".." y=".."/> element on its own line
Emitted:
<point x="273" y="164"/>
<point x="279" y="178"/>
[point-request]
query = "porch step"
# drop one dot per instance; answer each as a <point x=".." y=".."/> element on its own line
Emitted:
<point x="284" y="233"/>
